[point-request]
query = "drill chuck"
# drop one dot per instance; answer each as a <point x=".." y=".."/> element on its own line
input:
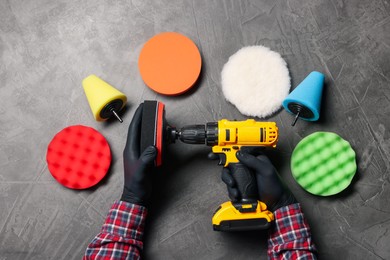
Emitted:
<point x="193" y="134"/>
<point x="198" y="134"/>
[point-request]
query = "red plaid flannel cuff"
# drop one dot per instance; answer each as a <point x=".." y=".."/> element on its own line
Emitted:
<point x="125" y="220"/>
<point x="291" y="234"/>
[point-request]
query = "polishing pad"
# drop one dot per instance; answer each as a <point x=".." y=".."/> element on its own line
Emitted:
<point x="169" y="63"/>
<point x="305" y="100"/>
<point x="152" y="128"/>
<point x="105" y="100"/>
<point x="323" y="163"/>
<point x="78" y="157"/>
<point x="256" y="80"/>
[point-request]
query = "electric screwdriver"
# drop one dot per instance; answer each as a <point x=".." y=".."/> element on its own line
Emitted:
<point x="226" y="138"/>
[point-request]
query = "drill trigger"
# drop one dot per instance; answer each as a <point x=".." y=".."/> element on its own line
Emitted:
<point x="222" y="159"/>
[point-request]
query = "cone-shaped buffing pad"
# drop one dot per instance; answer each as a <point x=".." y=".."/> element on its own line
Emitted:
<point x="105" y="100"/>
<point x="153" y="128"/>
<point x="305" y="100"/>
<point x="323" y="163"/>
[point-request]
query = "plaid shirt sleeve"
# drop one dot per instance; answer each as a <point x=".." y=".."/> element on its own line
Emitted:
<point x="291" y="238"/>
<point x="121" y="234"/>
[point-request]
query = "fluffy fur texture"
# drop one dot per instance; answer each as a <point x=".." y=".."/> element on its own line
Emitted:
<point x="256" y="80"/>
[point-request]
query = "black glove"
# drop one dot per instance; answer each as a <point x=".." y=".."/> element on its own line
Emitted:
<point x="139" y="169"/>
<point x="270" y="188"/>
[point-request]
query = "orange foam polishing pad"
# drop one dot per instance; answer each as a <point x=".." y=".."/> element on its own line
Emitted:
<point x="78" y="157"/>
<point x="170" y="63"/>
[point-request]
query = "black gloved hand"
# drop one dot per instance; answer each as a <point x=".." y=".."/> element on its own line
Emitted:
<point x="138" y="169"/>
<point x="271" y="189"/>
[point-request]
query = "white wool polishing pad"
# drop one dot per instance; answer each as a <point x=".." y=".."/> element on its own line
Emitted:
<point x="256" y="80"/>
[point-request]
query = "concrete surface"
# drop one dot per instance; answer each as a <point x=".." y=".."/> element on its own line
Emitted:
<point x="48" y="47"/>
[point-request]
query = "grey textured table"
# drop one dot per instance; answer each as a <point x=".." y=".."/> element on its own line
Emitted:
<point x="48" y="47"/>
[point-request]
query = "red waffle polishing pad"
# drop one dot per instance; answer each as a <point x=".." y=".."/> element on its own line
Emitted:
<point x="78" y="157"/>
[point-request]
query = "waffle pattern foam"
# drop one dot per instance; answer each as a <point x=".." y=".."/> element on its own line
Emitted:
<point x="78" y="157"/>
<point x="323" y="163"/>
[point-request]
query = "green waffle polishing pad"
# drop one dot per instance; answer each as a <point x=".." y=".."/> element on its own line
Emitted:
<point x="323" y="163"/>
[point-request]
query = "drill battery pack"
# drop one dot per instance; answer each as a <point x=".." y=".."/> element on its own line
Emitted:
<point x="240" y="217"/>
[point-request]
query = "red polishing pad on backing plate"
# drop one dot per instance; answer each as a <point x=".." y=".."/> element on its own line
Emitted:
<point x="78" y="157"/>
<point x="152" y="132"/>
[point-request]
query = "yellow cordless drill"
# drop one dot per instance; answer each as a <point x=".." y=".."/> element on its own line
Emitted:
<point x="226" y="138"/>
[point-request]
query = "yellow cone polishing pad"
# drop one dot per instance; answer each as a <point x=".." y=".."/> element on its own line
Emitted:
<point x="105" y="100"/>
<point x="323" y="163"/>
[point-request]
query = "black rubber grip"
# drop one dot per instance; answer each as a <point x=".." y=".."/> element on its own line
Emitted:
<point x="246" y="182"/>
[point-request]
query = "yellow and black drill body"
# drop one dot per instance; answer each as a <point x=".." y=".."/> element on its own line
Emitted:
<point x="226" y="138"/>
